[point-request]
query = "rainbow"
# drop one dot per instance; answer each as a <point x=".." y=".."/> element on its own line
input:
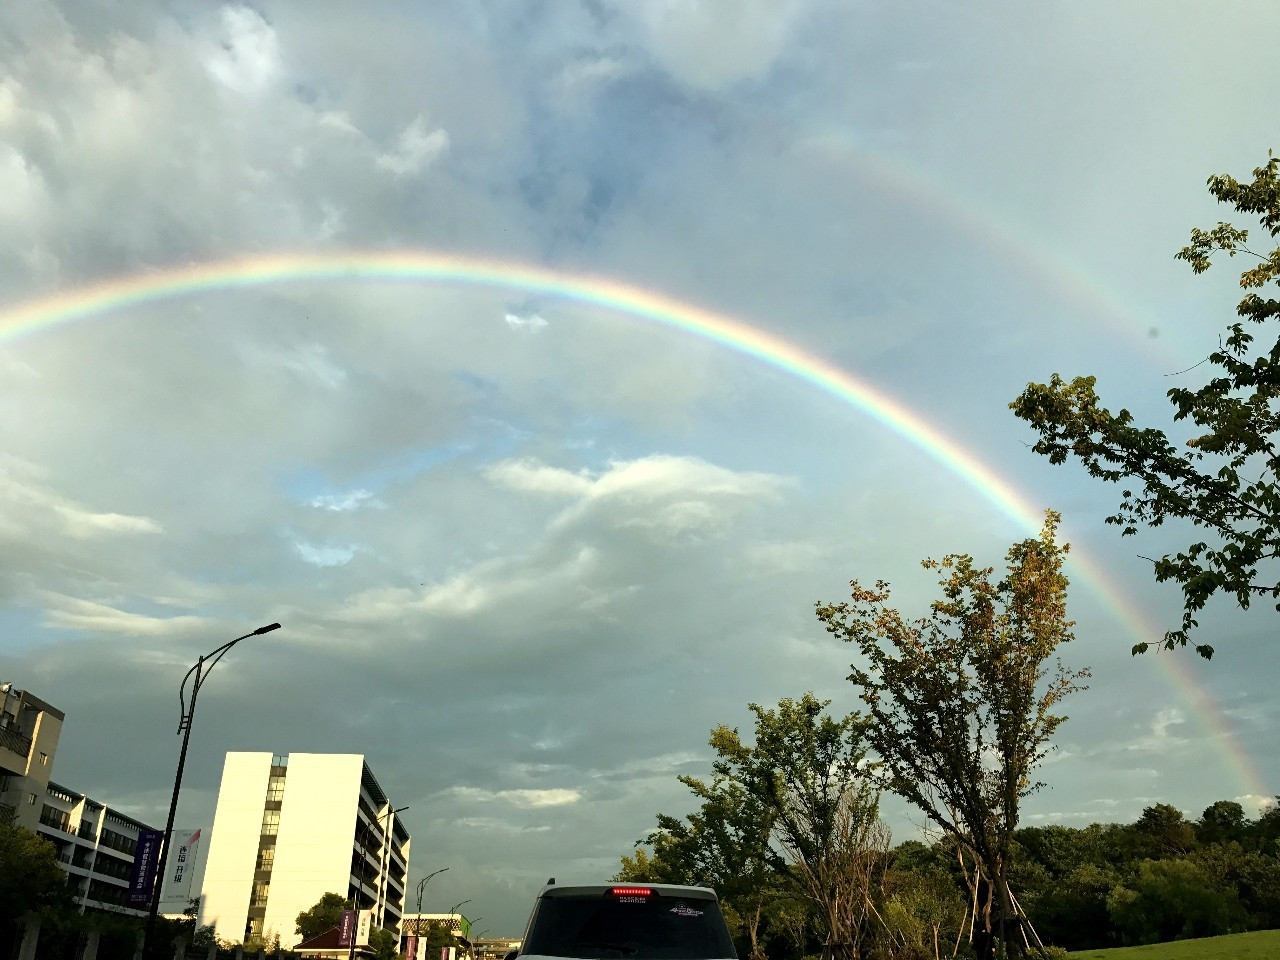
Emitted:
<point x="42" y="313"/>
<point x="1111" y="307"/>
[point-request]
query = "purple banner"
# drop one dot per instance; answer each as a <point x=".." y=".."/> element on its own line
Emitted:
<point x="146" y="858"/>
<point x="347" y="928"/>
<point x="410" y="948"/>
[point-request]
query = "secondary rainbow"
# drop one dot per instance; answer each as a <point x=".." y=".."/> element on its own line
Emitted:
<point x="419" y="266"/>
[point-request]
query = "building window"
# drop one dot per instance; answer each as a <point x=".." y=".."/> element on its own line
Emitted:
<point x="44" y="759"/>
<point x="266" y="858"/>
<point x="260" y="889"/>
<point x="31" y="799"/>
<point x="270" y="823"/>
<point x="253" y="929"/>
<point x="280" y="760"/>
<point x="275" y="788"/>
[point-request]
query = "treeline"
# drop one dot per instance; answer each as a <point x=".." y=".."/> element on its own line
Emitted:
<point x="788" y="833"/>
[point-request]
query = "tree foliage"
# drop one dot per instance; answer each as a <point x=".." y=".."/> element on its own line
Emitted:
<point x="962" y="702"/>
<point x="1223" y="476"/>
<point x="789" y="814"/>
<point x="384" y="944"/>
<point x="30" y="877"/>
<point x="434" y="934"/>
<point x="324" y="915"/>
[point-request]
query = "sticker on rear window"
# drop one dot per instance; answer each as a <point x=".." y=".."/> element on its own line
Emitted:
<point x="681" y="910"/>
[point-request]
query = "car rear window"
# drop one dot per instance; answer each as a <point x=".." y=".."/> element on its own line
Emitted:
<point x="608" y="927"/>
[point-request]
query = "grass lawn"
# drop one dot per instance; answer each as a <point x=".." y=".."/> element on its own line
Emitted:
<point x="1259" y="945"/>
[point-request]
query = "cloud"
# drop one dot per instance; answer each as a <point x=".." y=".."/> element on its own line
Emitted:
<point x="531" y="322"/>
<point x="72" y="613"/>
<point x="669" y="496"/>
<point x="348" y="501"/>
<point x="325" y="555"/>
<point x="523" y="798"/>
<point x="31" y="503"/>
<point x="493" y="825"/>
<point x="246" y="58"/>
<point x="711" y="44"/>
<point x="417" y="148"/>
<point x="1255" y="804"/>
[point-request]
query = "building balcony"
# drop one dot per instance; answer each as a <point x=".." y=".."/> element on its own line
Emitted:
<point x="15" y="741"/>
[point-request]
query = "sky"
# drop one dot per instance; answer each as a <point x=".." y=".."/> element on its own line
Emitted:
<point x="530" y="540"/>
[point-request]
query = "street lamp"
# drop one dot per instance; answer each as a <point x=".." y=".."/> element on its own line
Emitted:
<point x="422" y="885"/>
<point x="455" y="907"/>
<point x="184" y="727"/>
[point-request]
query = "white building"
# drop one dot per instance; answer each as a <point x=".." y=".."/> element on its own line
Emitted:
<point x="96" y="848"/>
<point x="289" y="829"/>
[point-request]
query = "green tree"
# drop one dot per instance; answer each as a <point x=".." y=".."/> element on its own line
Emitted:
<point x="1222" y="476"/>
<point x="1164" y="832"/>
<point x="1222" y="822"/>
<point x="383" y="943"/>
<point x="1173" y="900"/>
<point x="806" y="770"/>
<point x="30" y="877"/>
<point x="962" y="703"/>
<point x="922" y="916"/>
<point x="433" y="935"/>
<point x="324" y="915"/>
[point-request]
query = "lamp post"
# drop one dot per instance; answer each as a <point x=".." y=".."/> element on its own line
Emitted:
<point x="422" y="885"/>
<point x="361" y="835"/>
<point x="184" y="727"/>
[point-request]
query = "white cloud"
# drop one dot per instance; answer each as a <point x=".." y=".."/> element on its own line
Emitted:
<point x="246" y="58"/>
<point x="416" y="149"/>
<point x="22" y="493"/>
<point x="1255" y="804"/>
<point x="325" y="555"/>
<point x="524" y="798"/>
<point x="532" y="322"/>
<point x="72" y="613"/>
<point x="347" y="502"/>
<point x="530" y="476"/>
<point x="493" y="825"/>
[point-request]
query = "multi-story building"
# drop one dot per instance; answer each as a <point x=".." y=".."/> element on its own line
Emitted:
<point x="289" y="829"/>
<point x="29" y="731"/>
<point x="95" y="847"/>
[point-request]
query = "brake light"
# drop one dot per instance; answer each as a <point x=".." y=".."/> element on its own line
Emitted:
<point x="631" y="891"/>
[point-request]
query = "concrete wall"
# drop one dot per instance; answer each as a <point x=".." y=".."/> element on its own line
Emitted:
<point x="233" y="844"/>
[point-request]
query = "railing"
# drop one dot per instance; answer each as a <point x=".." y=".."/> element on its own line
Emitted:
<point x="52" y="817"/>
<point x="16" y="741"/>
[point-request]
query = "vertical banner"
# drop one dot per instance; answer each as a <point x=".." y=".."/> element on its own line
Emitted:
<point x="179" y="868"/>
<point x="363" y="926"/>
<point x="347" y="928"/>
<point x="411" y="947"/>
<point x="146" y="857"/>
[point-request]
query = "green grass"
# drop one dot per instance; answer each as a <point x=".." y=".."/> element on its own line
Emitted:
<point x="1260" y="945"/>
